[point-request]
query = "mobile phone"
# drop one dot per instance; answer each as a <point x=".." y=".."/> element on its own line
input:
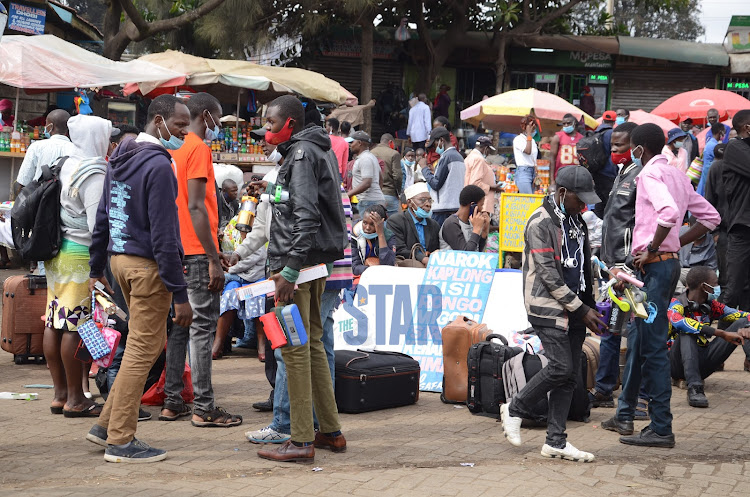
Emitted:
<point x="472" y="209"/>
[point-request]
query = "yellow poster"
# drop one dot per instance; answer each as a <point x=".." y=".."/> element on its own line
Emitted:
<point x="515" y="209"/>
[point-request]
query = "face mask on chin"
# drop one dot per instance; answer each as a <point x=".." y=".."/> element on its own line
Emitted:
<point x="282" y="136"/>
<point x="173" y="143"/>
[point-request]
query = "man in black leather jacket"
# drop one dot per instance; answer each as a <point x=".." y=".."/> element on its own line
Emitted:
<point x="617" y="234"/>
<point x="308" y="228"/>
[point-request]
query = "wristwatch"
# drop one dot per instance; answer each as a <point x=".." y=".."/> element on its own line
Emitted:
<point x="652" y="249"/>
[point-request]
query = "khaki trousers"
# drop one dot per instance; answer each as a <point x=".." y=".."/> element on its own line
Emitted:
<point x="148" y="304"/>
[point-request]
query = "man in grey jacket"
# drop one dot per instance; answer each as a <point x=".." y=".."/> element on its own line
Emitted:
<point x="447" y="180"/>
<point x="559" y="303"/>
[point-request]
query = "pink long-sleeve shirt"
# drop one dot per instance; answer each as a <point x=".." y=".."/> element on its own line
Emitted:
<point x="663" y="195"/>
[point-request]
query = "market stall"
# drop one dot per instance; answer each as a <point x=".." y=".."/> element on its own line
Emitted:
<point x="45" y="63"/>
<point x="244" y="83"/>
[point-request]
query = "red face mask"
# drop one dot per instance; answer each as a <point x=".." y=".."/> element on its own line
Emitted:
<point x="621" y="159"/>
<point x="282" y="136"/>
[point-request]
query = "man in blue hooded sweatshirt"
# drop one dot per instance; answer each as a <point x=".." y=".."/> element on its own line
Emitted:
<point x="138" y="227"/>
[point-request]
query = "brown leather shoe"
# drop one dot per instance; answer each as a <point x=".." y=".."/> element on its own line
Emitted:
<point x="335" y="444"/>
<point x="288" y="452"/>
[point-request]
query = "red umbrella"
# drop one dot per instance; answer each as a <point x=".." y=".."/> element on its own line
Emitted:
<point x="642" y="117"/>
<point x="695" y="104"/>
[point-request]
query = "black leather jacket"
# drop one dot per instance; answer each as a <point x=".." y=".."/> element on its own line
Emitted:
<point x="619" y="219"/>
<point x="310" y="227"/>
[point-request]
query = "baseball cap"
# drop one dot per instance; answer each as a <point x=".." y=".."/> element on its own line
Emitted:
<point x="486" y="140"/>
<point x="674" y="134"/>
<point x="6" y="104"/>
<point x="688" y="120"/>
<point x="361" y="136"/>
<point x="609" y="115"/>
<point x="578" y="180"/>
<point x="259" y="133"/>
<point x="436" y="134"/>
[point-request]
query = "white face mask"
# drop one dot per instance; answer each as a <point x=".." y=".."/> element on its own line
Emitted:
<point x="274" y="157"/>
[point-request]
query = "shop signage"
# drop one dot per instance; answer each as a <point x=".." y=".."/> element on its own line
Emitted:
<point x="351" y="48"/>
<point x="27" y="19"/>
<point x="556" y="58"/>
<point x="546" y="78"/>
<point x="599" y="79"/>
<point x="738" y="86"/>
<point x="515" y="209"/>
<point x="738" y="34"/>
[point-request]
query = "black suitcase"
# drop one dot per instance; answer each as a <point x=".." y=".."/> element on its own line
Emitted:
<point x="485" y="362"/>
<point x="369" y="380"/>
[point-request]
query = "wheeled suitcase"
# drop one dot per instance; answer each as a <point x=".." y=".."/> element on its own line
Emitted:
<point x="369" y="380"/>
<point x="24" y="304"/>
<point x="458" y="337"/>
<point x="485" y="362"/>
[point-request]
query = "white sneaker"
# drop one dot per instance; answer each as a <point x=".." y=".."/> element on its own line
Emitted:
<point x="511" y="426"/>
<point x="267" y="435"/>
<point x="569" y="452"/>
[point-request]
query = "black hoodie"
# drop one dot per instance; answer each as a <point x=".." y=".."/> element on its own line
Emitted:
<point x="138" y="215"/>
<point x="310" y="227"/>
<point x="736" y="176"/>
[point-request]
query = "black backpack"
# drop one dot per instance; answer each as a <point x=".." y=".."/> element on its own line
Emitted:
<point x="485" y="363"/>
<point x="35" y="217"/>
<point x="592" y="152"/>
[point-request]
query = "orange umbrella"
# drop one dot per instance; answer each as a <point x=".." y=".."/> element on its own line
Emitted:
<point x="695" y="104"/>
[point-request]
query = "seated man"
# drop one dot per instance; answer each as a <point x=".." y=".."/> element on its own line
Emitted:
<point x="467" y="229"/>
<point x="692" y="356"/>
<point x="373" y="243"/>
<point x="701" y="252"/>
<point x="415" y="227"/>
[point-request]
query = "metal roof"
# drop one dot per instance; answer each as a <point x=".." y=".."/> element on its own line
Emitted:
<point x="676" y="50"/>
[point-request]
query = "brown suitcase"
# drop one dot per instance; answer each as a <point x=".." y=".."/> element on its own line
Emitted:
<point x="590" y="349"/>
<point x="458" y="337"/>
<point x="24" y="303"/>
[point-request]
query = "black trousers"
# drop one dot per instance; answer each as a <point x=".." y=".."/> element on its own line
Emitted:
<point x="738" y="268"/>
<point x="603" y="187"/>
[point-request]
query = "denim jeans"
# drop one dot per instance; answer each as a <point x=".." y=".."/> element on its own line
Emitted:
<point x="205" y="306"/>
<point x="440" y="216"/>
<point x="392" y="205"/>
<point x="647" y="358"/>
<point x="525" y="179"/>
<point x="609" y="364"/>
<point x="281" y="409"/>
<point x="556" y="381"/>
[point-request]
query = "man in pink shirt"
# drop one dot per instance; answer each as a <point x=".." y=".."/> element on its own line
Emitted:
<point x="675" y="151"/>
<point x="663" y="196"/>
<point x="339" y="145"/>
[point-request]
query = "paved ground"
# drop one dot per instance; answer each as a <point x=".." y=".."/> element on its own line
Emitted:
<point x="410" y="451"/>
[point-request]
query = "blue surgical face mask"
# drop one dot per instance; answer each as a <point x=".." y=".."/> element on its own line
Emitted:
<point x="636" y="160"/>
<point x="568" y="129"/>
<point x="409" y="163"/>
<point x="369" y="236"/>
<point x="619" y="120"/>
<point x="47" y="133"/>
<point x="421" y="213"/>
<point x="440" y="150"/>
<point x="173" y="143"/>
<point x="212" y="133"/>
<point x="678" y="145"/>
<point x="715" y="294"/>
<point x="562" y="203"/>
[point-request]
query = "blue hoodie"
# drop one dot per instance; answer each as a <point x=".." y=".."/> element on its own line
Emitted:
<point x="137" y="214"/>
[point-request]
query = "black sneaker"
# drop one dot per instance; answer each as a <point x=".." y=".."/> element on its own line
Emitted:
<point x="266" y="406"/>
<point x="134" y="452"/>
<point x="599" y="399"/>
<point x="143" y="415"/>
<point x="97" y="435"/>
<point x="696" y="396"/>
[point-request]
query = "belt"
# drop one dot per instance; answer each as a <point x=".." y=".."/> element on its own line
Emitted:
<point x="662" y="256"/>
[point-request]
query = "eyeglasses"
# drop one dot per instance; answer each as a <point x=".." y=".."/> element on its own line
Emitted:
<point x="422" y="201"/>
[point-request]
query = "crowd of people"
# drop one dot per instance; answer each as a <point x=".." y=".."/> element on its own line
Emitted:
<point x="142" y="214"/>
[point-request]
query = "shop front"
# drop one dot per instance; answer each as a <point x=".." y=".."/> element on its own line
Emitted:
<point x="563" y="73"/>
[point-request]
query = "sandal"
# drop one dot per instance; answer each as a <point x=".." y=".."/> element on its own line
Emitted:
<point x="184" y="411"/>
<point x="92" y="411"/>
<point x="218" y="418"/>
<point x="56" y="409"/>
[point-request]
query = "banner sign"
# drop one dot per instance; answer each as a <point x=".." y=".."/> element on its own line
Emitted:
<point x="738" y="35"/>
<point x="515" y="209"/>
<point x="408" y="316"/>
<point x="27" y="18"/>
<point x="3" y="19"/>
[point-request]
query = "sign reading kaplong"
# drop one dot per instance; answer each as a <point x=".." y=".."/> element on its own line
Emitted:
<point x="405" y="309"/>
